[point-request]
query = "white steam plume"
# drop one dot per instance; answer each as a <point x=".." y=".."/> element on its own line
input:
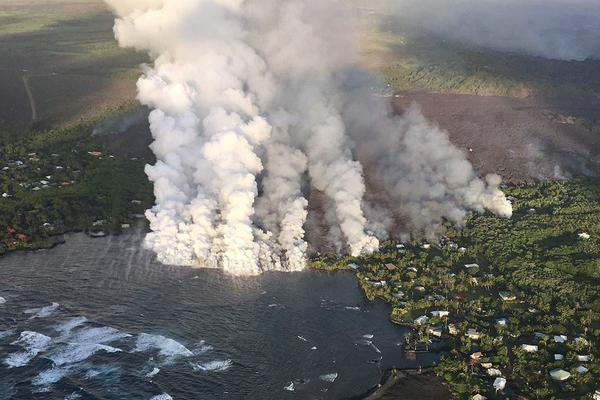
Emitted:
<point x="249" y="110"/>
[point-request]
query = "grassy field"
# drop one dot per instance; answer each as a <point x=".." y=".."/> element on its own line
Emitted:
<point x="66" y="51"/>
<point x="415" y="60"/>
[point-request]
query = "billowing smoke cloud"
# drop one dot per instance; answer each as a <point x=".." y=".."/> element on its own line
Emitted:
<point x="251" y="112"/>
<point x="559" y="29"/>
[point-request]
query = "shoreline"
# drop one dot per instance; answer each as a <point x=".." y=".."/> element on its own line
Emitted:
<point x="403" y="383"/>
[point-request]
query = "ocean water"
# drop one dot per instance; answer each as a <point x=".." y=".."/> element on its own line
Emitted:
<point x="100" y="319"/>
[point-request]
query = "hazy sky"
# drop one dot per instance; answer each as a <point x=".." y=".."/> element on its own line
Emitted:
<point x="562" y="29"/>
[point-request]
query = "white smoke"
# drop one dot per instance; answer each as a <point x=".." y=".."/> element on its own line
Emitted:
<point x="250" y="110"/>
<point x="559" y="29"/>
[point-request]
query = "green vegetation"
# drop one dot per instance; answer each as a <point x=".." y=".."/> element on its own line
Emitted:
<point x="425" y="62"/>
<point x="505" y="284"/>
<point x="61" y="181"/>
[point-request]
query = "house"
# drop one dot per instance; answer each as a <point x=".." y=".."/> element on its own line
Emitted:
<point x="6" y="195"/>
<point x="501" y="321"/>
<point x="478" y="397"/>
<point x="95" y="153"/>
<point x="435" y="331"/>
<point x="452" y="246"/>
<point x="413" y="269"/>
<point x="558" y="357"/>
<point x="529" y="348"/>
<point x="487" y="365"/>
<point x="452" y="329"/>
<point x="125" y="226"/>
<point x="499" y="383"/>
<point x="378" y="283"/>
<point x="494" y="372"/>
<point x="584" y="236"/>
<point x="560" y="338"/>
<point x="462" y="249"/>
<point x="540" y="335"/>
<point x="420" y="288"/>
<point x="507" y="296"/>
<point x="440" y="314"/>
<point x="470" y="266"/>
<point x="476" y="356"/>
<point x="581" y="369"/>
<point x="391" y="267"/>
<point x="426" y="246"/>
<point x="473" y="334"/>
<point x="398" y="295"/>
<point x="559" y="374"/>
<point x="421" y="320"/>
<point x="353" y="266"/>
<point x="584" y="358"/>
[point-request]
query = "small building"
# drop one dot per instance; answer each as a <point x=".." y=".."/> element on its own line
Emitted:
<point x="426" y="246"/>
<point x="494" y="372"/>
<point x="470" y="266"/>
<point x="581" y="369"/>
<point x="452" y="329"/>
<point x="420" y="289"/>
<point x="499" y="383"/>
<point x="421" y="320"/>
<point x="440" y="314"/>
<point x="560" y="338"/>
<point x="476" y="356"/>
<point x="507" y="296"/>
<point x="435" y="331"/>
<point x="559" y="374"/>
<point x="501" y="322"/>
<point x="398" y="295"/>
<point x="540" y="335"/>
<point x="391" y="267"/>
<point x="530" y="348"/>
<point x="585" y="358"/>
<point x="473" y="334"/>
<point x="559" y="357"/>
<point x="478" y="397"/>
<point x="353" y="266"/>
<point x="487" y="365"/>
<point x="584" y="236"/>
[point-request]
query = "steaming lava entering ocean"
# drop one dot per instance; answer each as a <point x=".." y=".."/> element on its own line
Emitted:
<point x="254" y="107"/>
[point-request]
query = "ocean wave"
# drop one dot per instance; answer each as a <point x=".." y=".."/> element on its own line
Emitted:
<point x="167" y="348"/>
<point x="329" y="377"/>
<point x="33" y="343"/>
<point x="72" y="353"/>
<point x="42" y="312"/>
<point x="163" y="396"/>
<point x="213" y="366"/>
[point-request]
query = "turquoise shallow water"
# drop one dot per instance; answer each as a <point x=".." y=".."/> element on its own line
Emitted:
<point x="99" y="319"/>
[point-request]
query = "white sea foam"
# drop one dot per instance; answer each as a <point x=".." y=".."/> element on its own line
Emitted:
<point x="368" y="336"/>
<point x="33" y="343"/>
<point x="72" y="353"/>
<point x="50" y="376"/>
<point x="97" y="335"/>
<point x="2" y="300"/>
<point x="290" y="387"/>
<point x="68" y="326"/>
<point x="152" y="373"/>
<point x="7" y="333"/>
<point x="329" y="377"/>
<point x="167" y="348"/>
<point x="213" y="366"/>
<point x="73" y="396"/>
<point x="163" y="396"/>
<point x="42" y="312"/>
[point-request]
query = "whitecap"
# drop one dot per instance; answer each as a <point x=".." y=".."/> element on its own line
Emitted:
<point x="2" y="300"/>
<point x="213" y="366"/>
<point x="352" y="308"/>
<point x="368" y="336"/>
<point x="163" y="396"/>
<point x="69" y="325"/>
<point x="329" y="377"/>
<point x="33" y="343"/>
<point x="152" y="373"/>
<point x="302" y="338"/>
<point x="73" y="396"/>
<point x="50" y="376"/>
<point x="98" y="335"/>
<point x="290" y="387"/>
<point x="72" y="353"/>
<point x="7" y="333"/>
<point x="168" y="348"/>
<point x="42" y="312"/>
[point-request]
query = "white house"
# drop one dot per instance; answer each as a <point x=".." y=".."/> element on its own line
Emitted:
<point x="499" y="383"/>
<point x="435" y="331"/>
<point x="440" y="314"/>
<point x="421" y="320"/>
<point x="581" y="369"/>
<point x="559" y="374"/>
<point x="507" y="296"/>
<point x="559" y="357"/>
<point x="501" y="321"/>
<point x="473" y="334"/>
<point x="494" y="372"/>
<point x="560" y="338"/>
<point x="529" y="348"/>
<point x="584" y="236"/>
<point x="469" y="266"/>
<point x="584" y="358"/>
